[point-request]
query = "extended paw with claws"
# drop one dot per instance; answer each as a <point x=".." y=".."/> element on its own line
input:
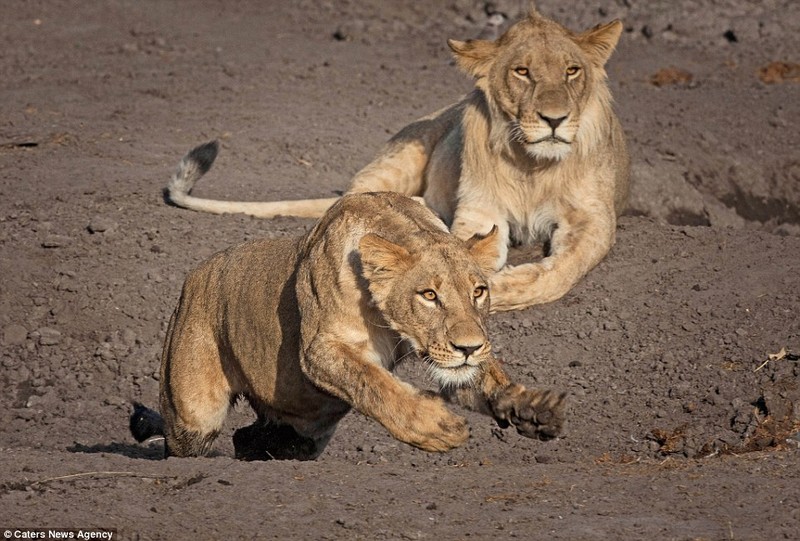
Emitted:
<point x="534" y="413"/>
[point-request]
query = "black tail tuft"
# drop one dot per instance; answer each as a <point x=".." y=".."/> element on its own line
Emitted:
<point x="145" y="423"/>
<point x="204" y="155"/>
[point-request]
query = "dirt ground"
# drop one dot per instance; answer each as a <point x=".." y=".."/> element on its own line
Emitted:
<point x="681" y="425"/>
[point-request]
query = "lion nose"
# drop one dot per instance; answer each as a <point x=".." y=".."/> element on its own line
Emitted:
<point x="553" y="122"/>
<point x="466" y="350"/>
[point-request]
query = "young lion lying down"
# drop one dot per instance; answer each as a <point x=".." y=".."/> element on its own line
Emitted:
<point x="306" y="328"/>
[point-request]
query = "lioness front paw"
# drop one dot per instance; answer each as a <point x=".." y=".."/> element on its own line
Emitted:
<point x="435" y="428"/>
<point x="534" y="413"/>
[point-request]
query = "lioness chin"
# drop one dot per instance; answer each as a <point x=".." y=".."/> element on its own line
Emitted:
<point x="306" y="328"/>
<point x="535" y="150"/>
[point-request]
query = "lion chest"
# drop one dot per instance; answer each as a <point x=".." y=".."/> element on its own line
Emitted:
<point x="531" y="205"/>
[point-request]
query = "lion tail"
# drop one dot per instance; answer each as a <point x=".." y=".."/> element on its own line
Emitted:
<point x="198" y="162"/>
<point x="145" y="423"/>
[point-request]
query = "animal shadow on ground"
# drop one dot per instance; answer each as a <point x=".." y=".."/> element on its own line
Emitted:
<point x="130" y="450"/>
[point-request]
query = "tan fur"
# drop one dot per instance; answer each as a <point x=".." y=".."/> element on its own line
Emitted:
<point x="307" y="328"/>
<point x="535" y="150"/>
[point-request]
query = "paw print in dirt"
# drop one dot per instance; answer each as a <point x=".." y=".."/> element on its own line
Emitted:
<point x="534" y="413"/>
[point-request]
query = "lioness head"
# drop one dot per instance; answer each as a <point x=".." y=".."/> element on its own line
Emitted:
<point x="435" y="296"/>
<point x="544" y="80"/>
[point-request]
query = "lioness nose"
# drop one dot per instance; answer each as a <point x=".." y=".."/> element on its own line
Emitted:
<point x="465" y="349"/>
<point x="553" y="122"/>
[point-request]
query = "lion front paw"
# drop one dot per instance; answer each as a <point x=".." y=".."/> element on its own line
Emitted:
<point x="432" y="427"/>
<point x="534" y="413"/>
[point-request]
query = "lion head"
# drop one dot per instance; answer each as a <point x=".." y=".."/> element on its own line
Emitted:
<point x="435" y="295"/>
<point x="544" y="82"/>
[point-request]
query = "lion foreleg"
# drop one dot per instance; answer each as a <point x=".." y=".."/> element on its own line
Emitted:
<point x="534" y="413"/>
<point x="478" y="397"/>
<point x="575" y="249"/>
<point x="409" y="415"/>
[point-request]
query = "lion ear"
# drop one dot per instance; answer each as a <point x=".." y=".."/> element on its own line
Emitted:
<point x="485" y="250"/>
<point x="473" y="56"/>
<point x="600" y="41"/>
<point x="381" y="258"/>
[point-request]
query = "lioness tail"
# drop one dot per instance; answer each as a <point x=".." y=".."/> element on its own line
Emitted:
<point x="145" y="423"/>
<point x="197" y="163"/>
<point x="193" y="166"/>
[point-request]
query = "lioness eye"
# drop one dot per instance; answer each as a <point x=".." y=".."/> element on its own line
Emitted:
<point x="478" y="292"/>
<point x="429" y="295"/>
<point x="521" y="71"/>
<point x="572" y="71"/>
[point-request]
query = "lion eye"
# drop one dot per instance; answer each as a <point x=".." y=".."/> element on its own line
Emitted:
<point x="521" y="71"/>
<point x="479" y="292"/>
<point x="572" y="71"/>
<point x="429" y="295"/>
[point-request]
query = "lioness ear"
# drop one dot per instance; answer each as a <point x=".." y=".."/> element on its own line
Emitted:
<point x="600" y="41"/>
<point x="473" y="56"/>
<point x="381" y="258"/>
<point x="485" y="251"/>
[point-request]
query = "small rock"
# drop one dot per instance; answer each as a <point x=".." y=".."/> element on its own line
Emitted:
<point x="27" y="414"/>
<point x="128" y="337"/>
<point x="381" y="448"/>
<point x="100" y="224"/>
<point x="105" y="351"/>
<point x="671" y="76"/>
<point x="56" y="241"/>
<point x="49" y="336"/>
<point x="14" y="335"/>
<point x="41" y="402"/>
<point x="611" y="325"/>
<point x="115" y="401"/>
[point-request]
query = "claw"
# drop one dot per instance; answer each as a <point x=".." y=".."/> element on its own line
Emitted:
<point x="535" y="414"/>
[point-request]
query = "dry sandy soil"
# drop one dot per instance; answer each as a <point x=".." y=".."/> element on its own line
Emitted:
<point x="680" y="424"/>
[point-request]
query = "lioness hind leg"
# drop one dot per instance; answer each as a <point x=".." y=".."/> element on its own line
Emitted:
<point x="267" y="440"/>
<point x="193" y="420"/>
<point x="195" y="395"/>
<point x="182" y="442"/>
